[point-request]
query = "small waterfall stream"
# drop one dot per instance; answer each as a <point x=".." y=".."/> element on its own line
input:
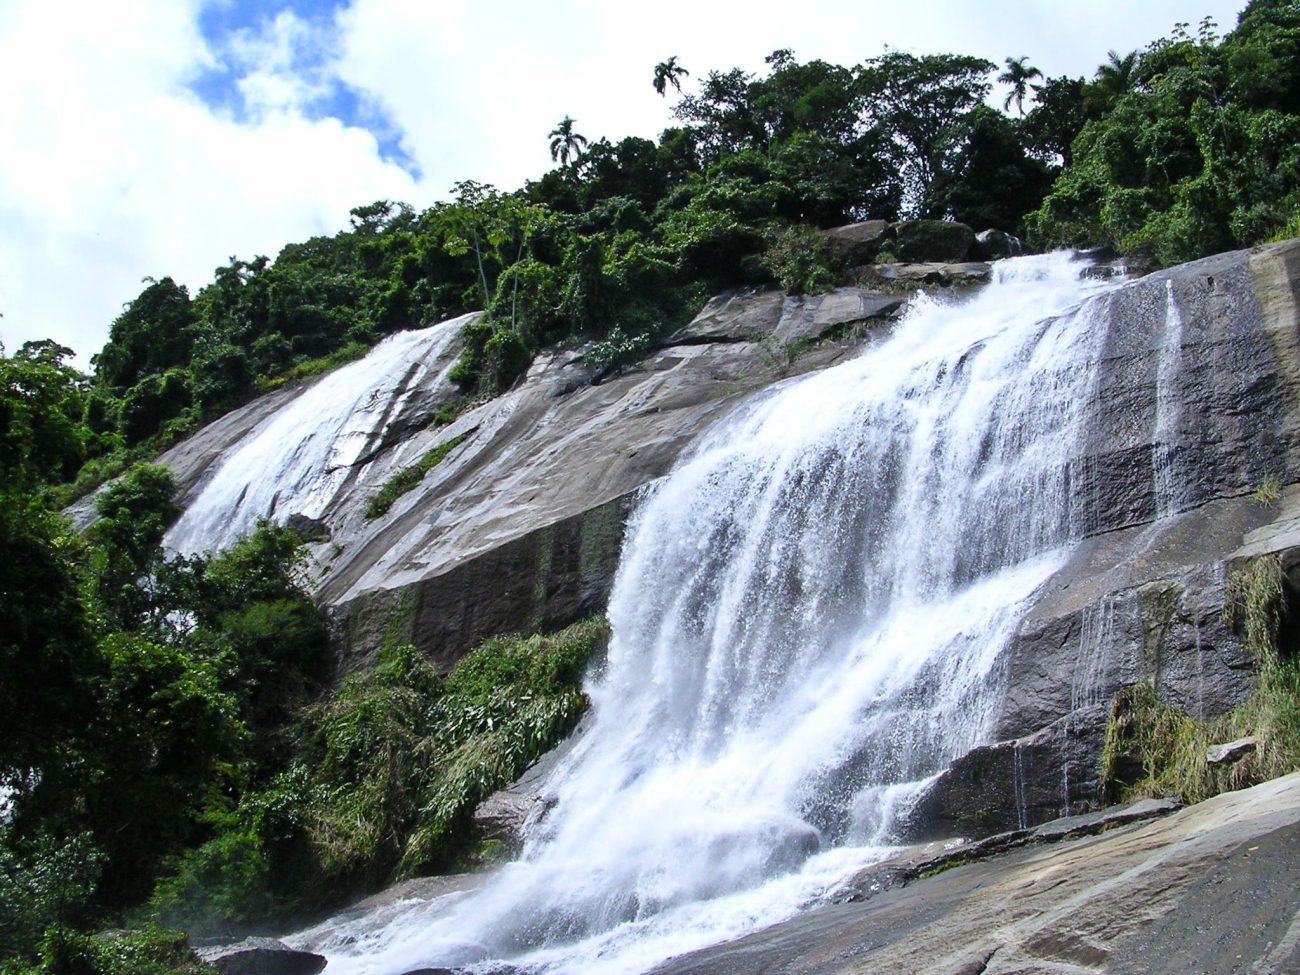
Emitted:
<point x="296" y="460"/>
<point x="807" y="626"/>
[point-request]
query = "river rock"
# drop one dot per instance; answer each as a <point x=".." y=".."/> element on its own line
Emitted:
<point x="261" y="956"/>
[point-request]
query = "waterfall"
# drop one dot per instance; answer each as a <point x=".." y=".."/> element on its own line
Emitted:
<point x="807" y="626"/>
<point x="296" y="460"/>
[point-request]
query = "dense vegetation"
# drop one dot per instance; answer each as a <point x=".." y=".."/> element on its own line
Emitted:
<point x="166" y="745"/>
<point x="170" y="745"/>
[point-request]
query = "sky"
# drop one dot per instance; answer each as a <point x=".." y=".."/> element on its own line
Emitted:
<point x="145" y="138"/>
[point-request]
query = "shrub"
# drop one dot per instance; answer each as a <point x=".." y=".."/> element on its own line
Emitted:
<point x="799" y="257"/>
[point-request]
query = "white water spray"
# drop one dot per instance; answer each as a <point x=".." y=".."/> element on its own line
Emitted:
<point x="807" y="626"/>
<point x="295" y="461"/>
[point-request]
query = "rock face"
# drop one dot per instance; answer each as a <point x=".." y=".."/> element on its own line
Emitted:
<point x="520" y="526"/>
<point x="1197" y="406"/>
<point x="1143" y="597"/>
<point x="1212" y="888"/>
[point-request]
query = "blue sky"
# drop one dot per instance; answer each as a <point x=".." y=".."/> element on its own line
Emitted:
<point x="230" y="25"/>
<point x="161" y="137"/>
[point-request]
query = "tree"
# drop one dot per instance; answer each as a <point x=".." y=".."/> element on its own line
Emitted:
<point x="1056" y="118"/>
<point x="918" y="105"/>
<point x="134" y="514"/>
<point x="42" y="437"/>
<point x="154" y="333"/>
<point x="46" y="653"/>
<point x="991" y="181"/>
<point x="1018" y="76"/>
<point x="565" y="143"/>
<point x="1114" y="78"/>
<point x="669" y="73"/>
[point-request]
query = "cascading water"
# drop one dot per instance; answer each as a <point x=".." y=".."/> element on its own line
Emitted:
<point x="807" y="626"/>
<point x="295" y="461"/>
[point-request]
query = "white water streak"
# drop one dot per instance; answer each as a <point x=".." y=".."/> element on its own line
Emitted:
<point x="296" y="460"/>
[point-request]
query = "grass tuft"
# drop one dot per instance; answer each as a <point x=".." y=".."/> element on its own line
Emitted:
<point x="1153" y="749"/>
<point x="408" y="477"/>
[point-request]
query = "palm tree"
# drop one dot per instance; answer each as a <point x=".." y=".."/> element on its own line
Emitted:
<point x="1018" y="75"/>
<point x="669" y="73"/>
<point x="565" y="143"/>
<point x="1116" y="76"/>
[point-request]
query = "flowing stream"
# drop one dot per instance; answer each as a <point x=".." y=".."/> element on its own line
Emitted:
<point x="807" y="626"/>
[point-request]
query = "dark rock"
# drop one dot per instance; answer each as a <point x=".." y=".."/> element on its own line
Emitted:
<point x="1231" y="752"/>
<point x="942" y="241"/>
<point x="994" y="245"/>
<point x="1016" y="784"/>
<point x="859" y="243"/>
<point x="311" y="529"/>
<point x="909" y="277"/>
<point x="261" y="956"/>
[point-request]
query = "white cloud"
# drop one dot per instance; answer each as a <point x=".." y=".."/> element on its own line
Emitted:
<point x="276" y="79"/>
<point x="114" y="170"/>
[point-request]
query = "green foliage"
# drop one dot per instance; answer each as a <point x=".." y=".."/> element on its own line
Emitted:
<point x="990" y="180"/>
<point x="923" y="103"/>
<point x="617" y="351"/>
<point x="408" y="477"/>
<point x="167" y="746"/>
<point x="134" y="513"/>
<point x="224" y="885"/>
<point x="799" y="257"/>
<point x="144" y="951"/>
<point x="153" y="334"/>
<point x="384" y="777"/>
<point x="1195" y="150"/>
<point x="46" y="653"/>
<point x="46" y="884"/>
<point x="42" y="438"/>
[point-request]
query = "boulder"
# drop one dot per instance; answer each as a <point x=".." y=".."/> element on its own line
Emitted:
<point x="859" y="243"/>
<point x="932" y="241"/>
<point x="501" y="816"/>
<point x="261" y="956"/>
<point x="994" y="245"/>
